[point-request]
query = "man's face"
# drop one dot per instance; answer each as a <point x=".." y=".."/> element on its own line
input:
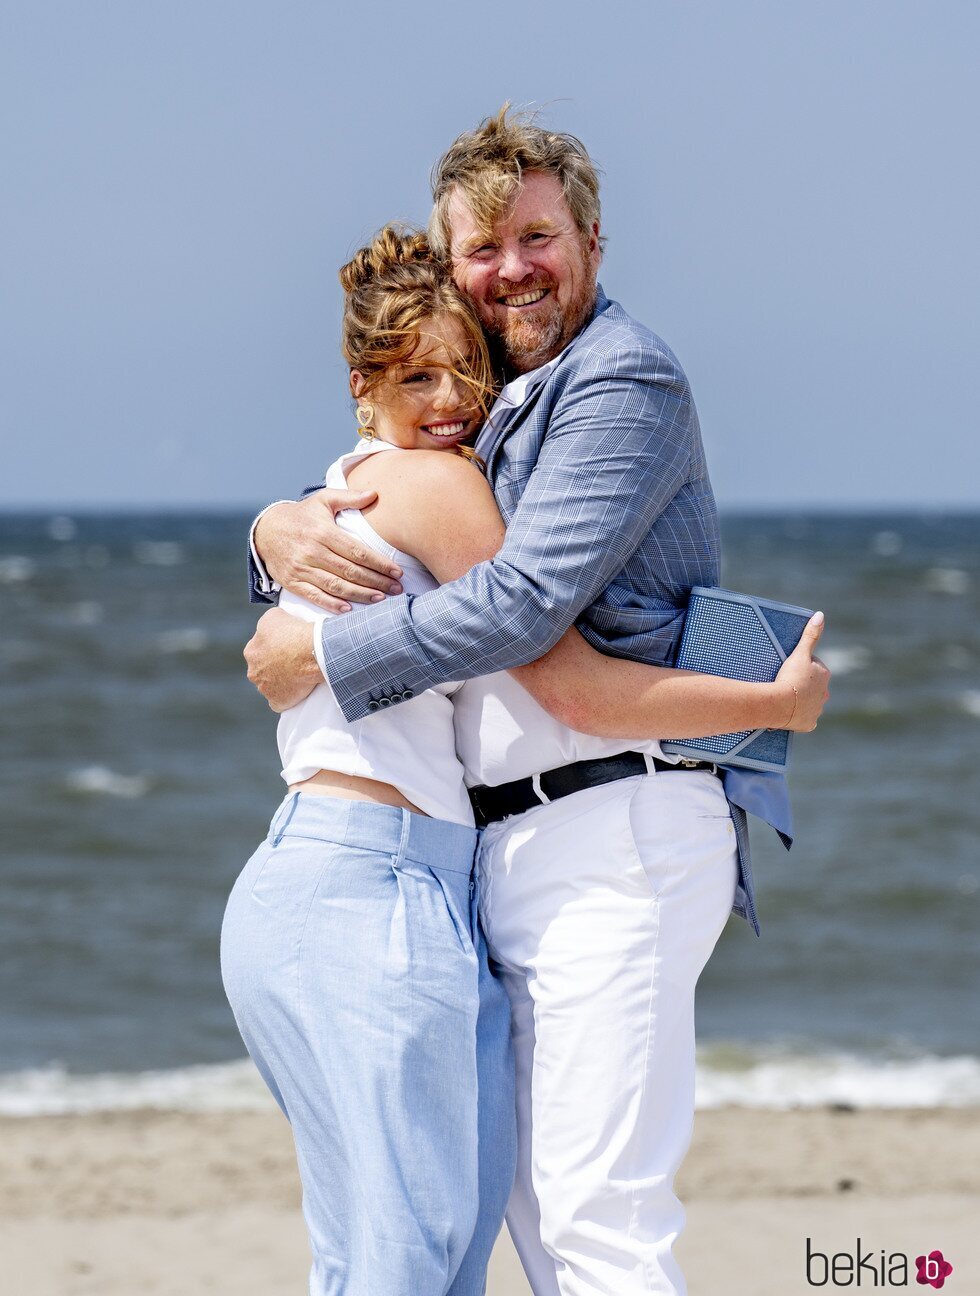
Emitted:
<point x="532" y="279"/>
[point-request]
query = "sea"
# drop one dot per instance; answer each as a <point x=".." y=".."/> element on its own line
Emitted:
<point x="138" y="771"/>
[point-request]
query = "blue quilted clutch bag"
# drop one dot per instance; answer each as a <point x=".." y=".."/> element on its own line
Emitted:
<point x="741" y="638"/>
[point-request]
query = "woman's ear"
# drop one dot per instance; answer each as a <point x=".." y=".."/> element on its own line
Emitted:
<point x="356" y="383"/>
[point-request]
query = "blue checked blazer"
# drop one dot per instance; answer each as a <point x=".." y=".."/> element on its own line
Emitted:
<point x="601" y="479"/>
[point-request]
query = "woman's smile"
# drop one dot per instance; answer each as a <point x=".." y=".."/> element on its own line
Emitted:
<point x="427" y="403"/>
<point x="448" y="430"/>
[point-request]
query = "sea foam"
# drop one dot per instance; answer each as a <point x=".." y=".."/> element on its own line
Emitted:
<point x="783" y="1080"/>
<point x="947" y="580"/>
<point x="726" y="1076"/>
<point x="16" y="569"/>
<point x="189" y="639"/>
<point x="844" y="658"/>
<point x="970" y="702"/>
<point x="53" y="1091"/>
<point x="96" y="780"/>
<point x="62" y="528"/>
<point x="158" y="553"/>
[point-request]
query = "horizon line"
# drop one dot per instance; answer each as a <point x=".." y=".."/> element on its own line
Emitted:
<point x="253" y="507"/>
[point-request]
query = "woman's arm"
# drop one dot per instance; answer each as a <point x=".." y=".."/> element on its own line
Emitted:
<point x="441" y="509"/>
<point x="612" y="697"/>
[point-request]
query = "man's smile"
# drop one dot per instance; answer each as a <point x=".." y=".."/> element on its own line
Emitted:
<point x="525" y="298"/>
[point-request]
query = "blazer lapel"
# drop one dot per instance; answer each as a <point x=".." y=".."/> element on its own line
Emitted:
<point x="502" y="419"/>
<point x="505" y="418"/>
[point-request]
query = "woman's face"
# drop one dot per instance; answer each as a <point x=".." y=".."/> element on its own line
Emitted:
<point x="424" y="404"/>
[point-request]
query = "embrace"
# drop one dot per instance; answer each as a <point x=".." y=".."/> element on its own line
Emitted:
<point x="464" y="959"/>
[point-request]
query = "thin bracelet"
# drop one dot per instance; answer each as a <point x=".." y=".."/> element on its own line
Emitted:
<point x="796" y="699"/>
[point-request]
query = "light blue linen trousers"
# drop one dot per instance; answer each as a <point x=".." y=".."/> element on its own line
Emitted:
<point x="357" y="972"/>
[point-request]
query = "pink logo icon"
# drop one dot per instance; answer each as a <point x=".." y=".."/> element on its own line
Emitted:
<point x="932" y="1270"/>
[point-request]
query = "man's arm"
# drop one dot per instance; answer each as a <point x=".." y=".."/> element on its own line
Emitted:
<point x="440" y="509"/>
<point x="617" y="451"/>
<point x="436" y="507"/>
<point x="262" y="588"/>
<point x="298" y="545"/>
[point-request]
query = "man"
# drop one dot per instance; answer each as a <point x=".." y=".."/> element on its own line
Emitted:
<point x="607" y="875"/>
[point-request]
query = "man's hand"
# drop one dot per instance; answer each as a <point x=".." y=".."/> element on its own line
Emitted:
<point x="280" y="659"/>
<point x="306" y="552"/>
<point x="806" y="679"/>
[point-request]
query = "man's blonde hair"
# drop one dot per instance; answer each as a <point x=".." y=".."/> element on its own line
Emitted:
<point x="487" y="164"/>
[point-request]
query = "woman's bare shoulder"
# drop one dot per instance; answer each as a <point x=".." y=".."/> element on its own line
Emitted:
<point x="425" y="496"/>
<point x="414" y="470"/>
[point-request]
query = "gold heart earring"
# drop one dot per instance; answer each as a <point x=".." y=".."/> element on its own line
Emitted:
<point x="365" y="414"/>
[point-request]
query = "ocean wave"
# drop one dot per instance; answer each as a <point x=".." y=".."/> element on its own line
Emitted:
<point x="16" y="569"/>
<point x="970" y="702"/>
<point x="886" y="544"/>
<point x="85" y="613"/>
<point x="190" y="639"/>
<point x="779" y="1079"/>
<point x="956" y="657"/>
<point x="843" y="659"/>
<point x="947" y="580"/>
<point x="53" y="1091"/>
<point x="873" y="711"/>
<point x="158" y="553"/>
<point x="727" y="1075"/>
<point x="62" y="528"/>
<point x="96" y="780"/>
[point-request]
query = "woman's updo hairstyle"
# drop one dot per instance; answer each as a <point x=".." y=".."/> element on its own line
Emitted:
<point x="391" y="249"/>
<point x="392" y="287"/>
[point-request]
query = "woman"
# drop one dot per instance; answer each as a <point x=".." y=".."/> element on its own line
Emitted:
<point x="351" y="951"/>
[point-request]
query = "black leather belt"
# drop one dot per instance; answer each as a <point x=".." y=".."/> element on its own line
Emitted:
<point x="491" y="804"/>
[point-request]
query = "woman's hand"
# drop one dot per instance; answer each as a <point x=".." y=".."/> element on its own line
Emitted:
<point x="280" y="659"/>
<point x="804" y="680"/>
<point x="307" y="553"/>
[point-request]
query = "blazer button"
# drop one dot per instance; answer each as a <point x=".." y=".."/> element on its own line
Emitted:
<point x="372" y="706"/>
<point x="408" y="694"/>
<point x="383" y="702"/>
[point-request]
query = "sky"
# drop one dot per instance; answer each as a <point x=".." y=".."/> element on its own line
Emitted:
<point x="790" y="196"/>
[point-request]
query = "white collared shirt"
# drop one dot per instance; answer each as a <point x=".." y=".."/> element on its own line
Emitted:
<point x="501" y="732"/>
<point x="512" y="395"/>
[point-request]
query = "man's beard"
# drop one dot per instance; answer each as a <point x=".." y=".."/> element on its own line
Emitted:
<point x="524" y="342"/>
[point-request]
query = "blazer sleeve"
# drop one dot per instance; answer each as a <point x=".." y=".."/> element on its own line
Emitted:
<point x="617" y="450"/>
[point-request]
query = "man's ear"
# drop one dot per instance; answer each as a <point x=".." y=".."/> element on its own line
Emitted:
<point x="595" y="246"/>
<point x="356" y="383"/>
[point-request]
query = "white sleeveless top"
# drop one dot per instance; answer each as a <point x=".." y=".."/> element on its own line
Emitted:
<point x="410" y="746"/>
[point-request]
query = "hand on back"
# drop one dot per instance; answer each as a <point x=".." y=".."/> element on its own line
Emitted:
<point x="281" y="663"/>
<point x="305" y="550"/>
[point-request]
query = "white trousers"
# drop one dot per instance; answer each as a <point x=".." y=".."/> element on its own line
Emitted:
<point x="602" y="909"/>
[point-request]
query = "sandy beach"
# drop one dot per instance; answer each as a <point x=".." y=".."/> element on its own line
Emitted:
<point x="167" y="1202"/>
